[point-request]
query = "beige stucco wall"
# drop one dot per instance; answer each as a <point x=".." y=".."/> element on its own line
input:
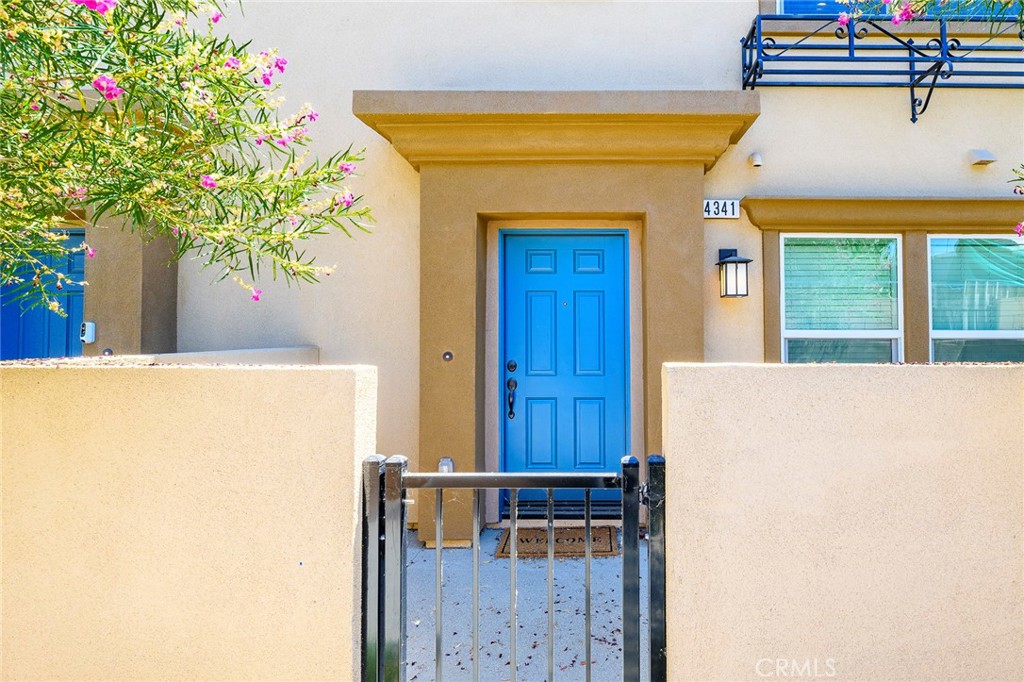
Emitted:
<point x="814" y="141"/>
<point x="867" y="520"/>
<point x="182" y="522"/>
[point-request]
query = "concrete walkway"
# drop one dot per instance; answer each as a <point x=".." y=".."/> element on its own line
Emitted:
<point x="570" y="663"/>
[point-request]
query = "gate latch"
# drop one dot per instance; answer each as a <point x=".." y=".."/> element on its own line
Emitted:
<point x="645" y="498"/>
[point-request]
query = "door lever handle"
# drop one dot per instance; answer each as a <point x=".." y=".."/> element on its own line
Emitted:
<point x="511" y="385"/>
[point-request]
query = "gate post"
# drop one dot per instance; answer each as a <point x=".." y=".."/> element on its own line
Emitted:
<point x="373" y="514"/>
<point x="630" y="569"/>
<point x="656" y="565"/>
<point x="394" y="568"/>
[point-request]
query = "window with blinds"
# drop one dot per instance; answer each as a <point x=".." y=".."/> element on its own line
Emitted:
<point x="841" y="299"/>
<point x="976" y="287"/>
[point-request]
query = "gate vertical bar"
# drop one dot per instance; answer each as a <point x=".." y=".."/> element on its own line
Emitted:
<point x="439" y="580"/>
<point x="394" y="568"/>
<point x="444" y="465"/>
<point x="476" y="585"/>
<point x="630" y="569"/>
<point x="373" y="488"/>
<point x="551" y="585"/>
<point x="513" y="619"/>
<point x="586" y="582"/>
<point x="656" y="566"/>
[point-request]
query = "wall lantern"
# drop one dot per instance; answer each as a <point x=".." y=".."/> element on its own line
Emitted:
<point x="732" y="273"/>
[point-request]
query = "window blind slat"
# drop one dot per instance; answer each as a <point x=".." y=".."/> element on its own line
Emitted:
<point x="840" y="283"/>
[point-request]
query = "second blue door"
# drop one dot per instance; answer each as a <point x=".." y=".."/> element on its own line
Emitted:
<point x="564" y="353"/>
<point x="37" y="332"/>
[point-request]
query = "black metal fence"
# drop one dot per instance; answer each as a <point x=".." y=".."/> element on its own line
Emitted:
<point x="385" y="483"/>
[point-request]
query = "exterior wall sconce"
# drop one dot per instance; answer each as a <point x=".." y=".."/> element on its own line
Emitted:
<point x="732" y="273"/>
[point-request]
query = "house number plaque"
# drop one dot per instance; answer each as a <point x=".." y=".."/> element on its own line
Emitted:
<point x="728" y="209"/>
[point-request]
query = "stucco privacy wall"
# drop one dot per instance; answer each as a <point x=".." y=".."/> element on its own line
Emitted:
<point x="182" y="522"/>
<point x="814" y="141"/>
<point x="865" y="519"/>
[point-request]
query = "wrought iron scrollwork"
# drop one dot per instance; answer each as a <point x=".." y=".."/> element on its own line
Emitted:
<point x="861" y="31"/>
<point x="865" y="53"/>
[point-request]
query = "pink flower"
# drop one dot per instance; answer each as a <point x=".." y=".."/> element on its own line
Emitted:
<point x="280" y="63"/>
<point x="284" y="141"/>
<point x="1019" y="229"/>
<point x="256" y="293"/>
<point x="90" y="252"/>
<point x="266" y="76"/>
<point x="175" y="231"/>
<point x="260" y="139"/>
<point x="844" y="18"/>
<point x="216" y="16"/>
<point x="107" y="87"/>
<point x="346" y="200"/>
<point x="34" y="106"/>
<point x="207" y="182"/>
<point x="232" y="63"/>
<point x="77" y="193"/>
<point x="906" y="13"/>
<point x="294" y="220"/>
<point x="347" y="168"/>
<point x="100" y="6"/>
<point x="312" y="115"/>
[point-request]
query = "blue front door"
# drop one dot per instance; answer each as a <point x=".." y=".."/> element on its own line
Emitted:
<point x="37" y="332"/>
<point x="564" y="353"/>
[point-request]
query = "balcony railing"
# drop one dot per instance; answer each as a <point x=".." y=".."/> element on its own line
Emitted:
<point x="867" y="53"/>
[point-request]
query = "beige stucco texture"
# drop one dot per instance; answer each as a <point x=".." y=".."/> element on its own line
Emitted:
<point x="182" y="522"/>
<point x="814" y="141"/>
<point x="863" y="521"/>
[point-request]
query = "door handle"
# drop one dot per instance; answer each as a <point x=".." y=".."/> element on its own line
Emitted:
<point x="511" y="385"/>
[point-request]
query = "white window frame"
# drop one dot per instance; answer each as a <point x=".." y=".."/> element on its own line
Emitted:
<point x="896" y="335"/>
<point x="780" y="8"/>
<point x="966" y="334"/>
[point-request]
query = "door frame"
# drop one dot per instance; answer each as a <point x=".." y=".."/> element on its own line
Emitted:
<point x="496" y="229"/>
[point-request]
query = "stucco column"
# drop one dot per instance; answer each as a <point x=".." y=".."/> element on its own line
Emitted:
<point x="451" y="391"/>
<point x="132" y="294"/>
<point x="916" y="332"/>
<point x="674" y="273"/>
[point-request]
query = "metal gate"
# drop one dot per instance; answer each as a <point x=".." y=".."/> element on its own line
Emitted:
<point x="385" y="483"/>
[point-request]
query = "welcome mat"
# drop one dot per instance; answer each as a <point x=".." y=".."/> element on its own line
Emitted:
<point x="533" y="542"/>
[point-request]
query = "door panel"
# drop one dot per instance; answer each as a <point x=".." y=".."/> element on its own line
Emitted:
<point x="565" y="326"/>
<point x="37" y="332"/>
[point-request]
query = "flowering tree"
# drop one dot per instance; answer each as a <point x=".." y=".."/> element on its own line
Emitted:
<point x="902" y="11"/>
<point x="137" y="113"/>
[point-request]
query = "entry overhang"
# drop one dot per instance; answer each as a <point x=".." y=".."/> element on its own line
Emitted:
<point x="872" y="214"/>
<point x="437" y="126"/>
